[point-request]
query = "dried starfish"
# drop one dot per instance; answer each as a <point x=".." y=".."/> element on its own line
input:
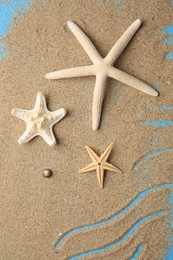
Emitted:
<point x="100" y="164"/>
<point x="102" y="68"/>
<point x="39" y="120"/>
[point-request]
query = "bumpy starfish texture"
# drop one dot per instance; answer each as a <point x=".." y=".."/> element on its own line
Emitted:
<point x="100" y="164"/>
<point x="39" y="120"/>
<point x="102" y="68"/>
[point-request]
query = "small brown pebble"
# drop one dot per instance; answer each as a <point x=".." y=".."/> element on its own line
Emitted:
<point x="47" y="173"/>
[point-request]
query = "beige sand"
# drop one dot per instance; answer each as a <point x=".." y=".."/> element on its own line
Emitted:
<point x="35" y="210"/>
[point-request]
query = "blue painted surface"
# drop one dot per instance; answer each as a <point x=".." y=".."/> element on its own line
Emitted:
<point x="170" y="206"/>
<point x="170" y="254"/>
<point x="155" y="85"/>
<point x="168" y="30"/>
<point x="169" y="56"/>
<point x="137" y="253"/>
<point x="130" y="232"/>
<point x="168" y="41"/>
<point x="149" y="155"/>
<point x="158" y="123"/>
<point x="139" y="197"/>
<point x="9" y="10"/>
<point x="102" y="119"/>
<point x="3" y="50"/>
<point x="169" y="108"/>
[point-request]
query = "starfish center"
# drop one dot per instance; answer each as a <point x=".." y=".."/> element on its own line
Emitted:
<point x="102" y="67"/>
<point x="38" y="121"/>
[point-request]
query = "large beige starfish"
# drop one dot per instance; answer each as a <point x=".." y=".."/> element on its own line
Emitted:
<point x="102" y="68"/>
<point x="39" y="120"/>
<point x="100" y="164"/>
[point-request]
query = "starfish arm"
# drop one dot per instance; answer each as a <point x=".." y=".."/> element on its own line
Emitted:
<point x="85" y="42"/>
<point x="105" y="155"/>
<point x="98" y="100"/>
<point x="94" y="157"/>
<point x="122" y="43"/>
<point x="56" y="116"/>
<point x="20" y="113"/>
<point x="110" y="167"/>
<point x="92" y="166"/>
<point x="29" y="134"/>
<point x="40" y="104"/>
<point x="100" y="176"/>
<point x="71" y="72"/>
<point x="48" y="136"/>
<point x="131" y="81"/>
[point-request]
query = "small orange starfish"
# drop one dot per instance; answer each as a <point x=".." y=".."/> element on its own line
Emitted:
<point x="100" y="164"/>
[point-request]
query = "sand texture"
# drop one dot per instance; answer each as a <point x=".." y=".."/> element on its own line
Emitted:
<point x="35" y="211"/>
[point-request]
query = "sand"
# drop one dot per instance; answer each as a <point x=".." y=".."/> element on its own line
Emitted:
<point x="35" y="211"/>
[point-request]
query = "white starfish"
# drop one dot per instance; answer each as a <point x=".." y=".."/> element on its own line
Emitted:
<point x="39" y="120"/>
<point x="102" y="68"/>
